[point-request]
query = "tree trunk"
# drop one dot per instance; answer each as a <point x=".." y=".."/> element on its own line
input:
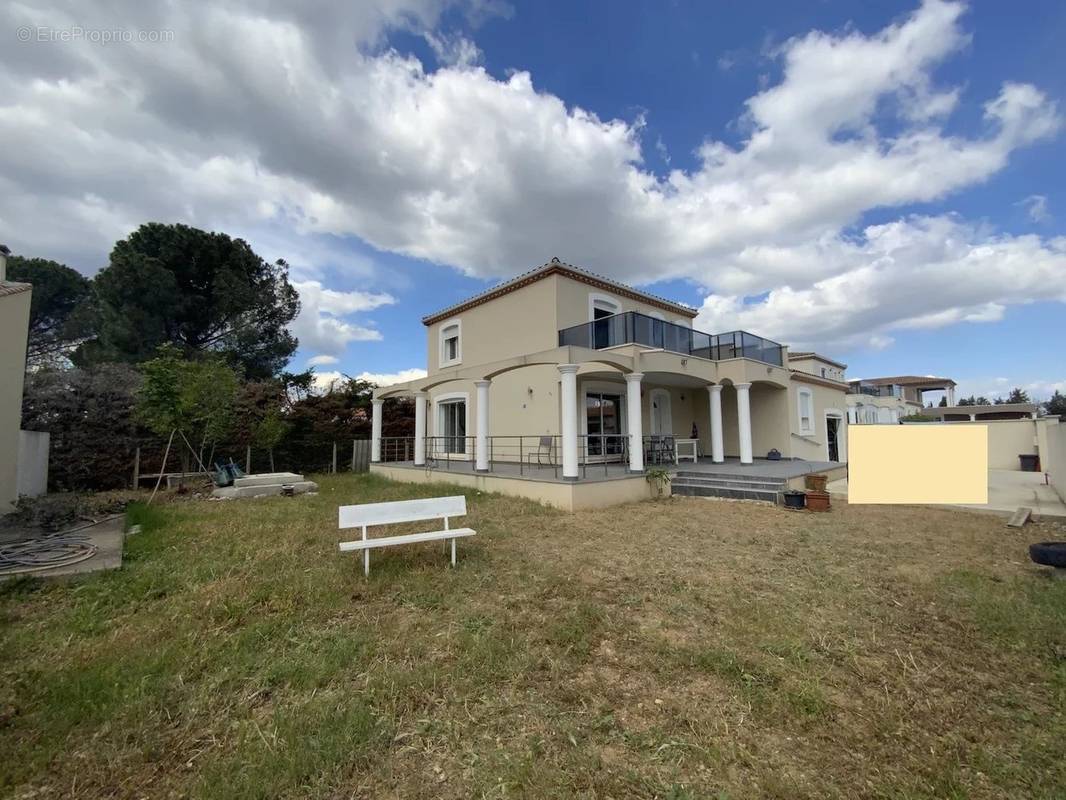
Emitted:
<point x="272" y="460"/>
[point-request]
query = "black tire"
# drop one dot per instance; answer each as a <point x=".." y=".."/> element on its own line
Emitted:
<point x="1050" y="554"/>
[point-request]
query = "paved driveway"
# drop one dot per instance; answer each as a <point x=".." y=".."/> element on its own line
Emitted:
<point x="1007" y="489"/>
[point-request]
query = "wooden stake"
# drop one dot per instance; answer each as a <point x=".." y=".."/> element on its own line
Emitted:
<point x="137" y="468"/>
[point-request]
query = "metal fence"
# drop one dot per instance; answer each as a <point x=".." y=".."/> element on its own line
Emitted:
<point x="527" y="455"/>
<point x="311" y="457"/>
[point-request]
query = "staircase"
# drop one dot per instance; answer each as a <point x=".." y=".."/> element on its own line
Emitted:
<point x="727" y="484"/>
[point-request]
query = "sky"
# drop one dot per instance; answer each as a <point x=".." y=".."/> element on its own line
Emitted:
<point x="881" y="182"/>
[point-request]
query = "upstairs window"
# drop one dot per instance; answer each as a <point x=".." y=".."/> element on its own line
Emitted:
<point x="451" y="344"/>
<point x="806" y="412"/>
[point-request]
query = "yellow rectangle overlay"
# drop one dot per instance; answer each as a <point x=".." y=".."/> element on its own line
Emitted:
<point x="922" y="463"/>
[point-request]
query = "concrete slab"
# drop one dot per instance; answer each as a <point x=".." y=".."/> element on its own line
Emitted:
<point x="1008" y="490"/>
<point x="263" y="490"/>
<point x="267" y="479"/>
<point x="107" y="536"/>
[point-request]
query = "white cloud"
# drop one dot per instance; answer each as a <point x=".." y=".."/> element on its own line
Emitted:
<point x="991" y="388"/>
<point x="294" y="128"/>
<point x="453" y="50"/>
<point x="324" y="324"/>
<point x="1036" y="207"/>
<point x="895" y="277"/>
<point x="322" y="361"/>
<point x="322" y="382"/>
<point x="390" y="378"/>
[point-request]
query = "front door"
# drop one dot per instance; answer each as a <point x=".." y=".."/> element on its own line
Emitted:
<point x="603" y="414"/>
<point x="662" y="420"/>
<point x="831" y="424"/>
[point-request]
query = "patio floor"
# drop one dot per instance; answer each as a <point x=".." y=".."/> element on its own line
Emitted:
<point x="591" y="472"/>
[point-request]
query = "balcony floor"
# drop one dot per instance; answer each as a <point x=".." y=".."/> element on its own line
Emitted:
<point x="595" y="472"/>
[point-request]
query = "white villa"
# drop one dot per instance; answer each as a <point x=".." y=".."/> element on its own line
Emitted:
<point x="566" y="387"/>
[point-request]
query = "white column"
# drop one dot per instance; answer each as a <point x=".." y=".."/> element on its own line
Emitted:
<point x="481" y="446"/>
<point x="420" y="429"/>
<point x="973" y="418"/>
<point x="717" y="446"/>
<point x="951" y="396"/>
<point x="744" y="421"/>
<point x="568" y="399"/>
<point x="375" y="430"/>
<point x="635" y="421"/>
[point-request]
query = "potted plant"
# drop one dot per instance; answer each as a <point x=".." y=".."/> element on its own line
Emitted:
<point x="795" y="499"/>
<point x="817" y="501"/>
<point x="658" y="477"/>
<point x="815" y="482"/>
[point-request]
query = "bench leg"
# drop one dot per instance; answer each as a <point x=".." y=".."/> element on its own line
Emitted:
<point x="366" y="563"/>
<point x="453" y="552"/>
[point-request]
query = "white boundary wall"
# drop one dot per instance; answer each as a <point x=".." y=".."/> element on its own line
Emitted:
<point x="32" y="464"/>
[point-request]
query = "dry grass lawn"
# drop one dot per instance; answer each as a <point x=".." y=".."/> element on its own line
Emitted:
<point x="685" y="648"/>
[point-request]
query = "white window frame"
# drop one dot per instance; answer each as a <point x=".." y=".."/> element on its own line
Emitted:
<point x="805" y="431"/>
<point x="605" y="299"/>
<point x="443" y="360"/>
<point x="438" y="420"/>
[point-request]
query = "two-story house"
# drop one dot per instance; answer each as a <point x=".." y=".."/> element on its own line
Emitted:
<point x="887" y="400"/>
<point x="564" y="378"/>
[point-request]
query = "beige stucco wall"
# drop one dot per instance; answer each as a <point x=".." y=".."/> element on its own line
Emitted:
<point x="14" y="323"/>
<point x="1007" y="439"/>
<point x="1053" y="456"/>
<point x="825" y="399"/>
<point x="814" y="366"/>
<point x="564" y="495"/>
<point x="517" y="323"/>
<point x="573" y="304"/>
<point x="528" y="320"/>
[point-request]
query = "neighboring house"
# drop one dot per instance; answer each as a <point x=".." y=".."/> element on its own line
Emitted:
<point x="14" y="329"/>
<point x="982" y="413"/>
<point x="887" y="400"/>
<point x="559" y="373"/>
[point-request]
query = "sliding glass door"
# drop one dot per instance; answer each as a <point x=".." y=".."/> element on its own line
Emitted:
<point x="603" y="415"/>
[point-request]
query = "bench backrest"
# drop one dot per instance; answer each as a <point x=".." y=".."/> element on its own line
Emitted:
<point x="402" y="511"/>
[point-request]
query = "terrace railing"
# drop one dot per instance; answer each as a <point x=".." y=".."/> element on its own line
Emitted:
<point x="525" y="454"/>
<point x="632" y="327"/>
<point x="528" y="456"/>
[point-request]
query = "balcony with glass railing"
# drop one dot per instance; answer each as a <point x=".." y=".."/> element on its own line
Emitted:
<point x="632" y="327"/>
<point x="875" y="391"/>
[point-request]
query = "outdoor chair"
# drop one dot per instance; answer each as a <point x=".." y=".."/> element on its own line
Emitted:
<point x="544" y="453"/>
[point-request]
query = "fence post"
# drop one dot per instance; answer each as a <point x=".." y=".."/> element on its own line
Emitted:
<point x="334" y="458"/>
<point x="248" y="459"/>
<point x="353" y="453"/>
<point x="137" y="468"/>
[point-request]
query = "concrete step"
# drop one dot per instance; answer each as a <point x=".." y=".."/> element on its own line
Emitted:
<point x="698" y="490"/>
<point x="731" y="476"/>
<point x="731" y="483"/>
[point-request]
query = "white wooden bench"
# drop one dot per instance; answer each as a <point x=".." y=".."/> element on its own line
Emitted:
<point x="369" y="514"/>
